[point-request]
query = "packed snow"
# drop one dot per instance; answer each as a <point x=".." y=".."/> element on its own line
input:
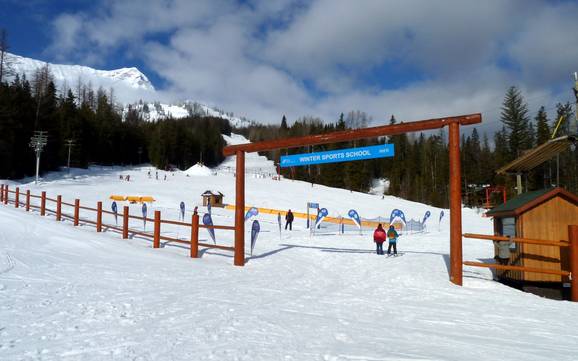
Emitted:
<point x="68" y="293"/>
<point x="199" y="170"/>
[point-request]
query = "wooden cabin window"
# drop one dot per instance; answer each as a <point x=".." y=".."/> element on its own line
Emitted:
<point x="508" y="227"/>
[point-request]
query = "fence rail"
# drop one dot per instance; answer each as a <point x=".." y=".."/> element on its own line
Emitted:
<point x="572" y="244"/>
<point x="156" y="236"/>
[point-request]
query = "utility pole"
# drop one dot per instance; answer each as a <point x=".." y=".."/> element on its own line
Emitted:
<point x="69" y="144"/>
<point x="37" y="142"/>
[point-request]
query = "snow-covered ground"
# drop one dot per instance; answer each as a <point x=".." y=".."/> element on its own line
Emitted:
<point x="69" y="293"/>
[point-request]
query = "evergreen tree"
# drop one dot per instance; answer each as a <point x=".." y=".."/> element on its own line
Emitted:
<point x="514" y="116"/>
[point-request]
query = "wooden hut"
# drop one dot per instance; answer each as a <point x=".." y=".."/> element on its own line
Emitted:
<point x="543" y="215"/>
<point x="214" y="198"/>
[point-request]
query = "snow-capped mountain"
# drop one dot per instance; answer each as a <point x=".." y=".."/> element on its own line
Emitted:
<point x="69" y="75"/>
<point x="157" y="111"/>
<point x="130" y="86"/>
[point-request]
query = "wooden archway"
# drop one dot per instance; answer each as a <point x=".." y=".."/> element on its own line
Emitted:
<point x="349" y="135"/>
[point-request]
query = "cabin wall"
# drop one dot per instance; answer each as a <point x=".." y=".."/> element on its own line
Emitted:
<point x="548" y="221"/>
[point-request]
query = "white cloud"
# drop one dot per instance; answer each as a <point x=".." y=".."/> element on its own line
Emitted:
<point x="266" y="59"/>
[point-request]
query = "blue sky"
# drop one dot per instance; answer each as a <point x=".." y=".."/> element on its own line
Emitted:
<point x="263" y="59"/>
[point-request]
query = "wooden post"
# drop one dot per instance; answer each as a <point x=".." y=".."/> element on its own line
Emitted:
<point x="76" y="211"/>
<point x="125" y="222"/>
<point x="17" y="198"/>
<point x="157" y="234"/>
<point x="27" y="200"/>
<point x="43" y="203"/>
<point x="2" y="193"/>
<point x="573" y="239"/>
<point x="240" y="210"/>
<point x="195" y="236"/>
<point x="455" y="205"/>
<point x="99" y="216"/>
<point x="6" y="194"/>
<point x="58" y="208"/>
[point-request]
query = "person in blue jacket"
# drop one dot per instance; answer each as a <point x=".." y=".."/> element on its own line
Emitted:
<point x="392" y="237"/>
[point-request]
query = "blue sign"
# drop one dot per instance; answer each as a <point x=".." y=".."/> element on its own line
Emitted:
<point x="182" y="205"/>
<point x="115" y="209"/>
<point x="251" y="212"/>
<point x="340" y="155"/>
<point x="144" y="215"/>
<point x="320" y="216"/>
<point x="313" y="205"/>
<point x="397" y="213"/>
<point x="355" y="217"/>
<point x="426" y="216"/>
<point x="255" y="228"/>
<point x="208" y="221"/>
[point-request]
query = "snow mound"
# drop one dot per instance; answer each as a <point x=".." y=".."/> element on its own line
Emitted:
<point x="199" y="170"/>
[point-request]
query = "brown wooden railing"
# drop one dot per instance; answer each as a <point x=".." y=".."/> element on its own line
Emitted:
<point x="5" y="198"/>
<point x="572" y="244"/>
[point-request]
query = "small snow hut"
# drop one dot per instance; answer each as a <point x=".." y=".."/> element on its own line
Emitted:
<point x="542" y="215"/>
<point x="214" y="198"/>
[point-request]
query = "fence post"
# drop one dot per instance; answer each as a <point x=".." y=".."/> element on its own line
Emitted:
<point x="17" y="198"/>
<point x="157" y="234"/>
<point x="43" y="204"/>
<point x="28" y="200"/>
<point x="58" y="208"/>
<point x="99" y="216"/>
<point x="195" y="236"/>
<point x="573" y="239"/>
<point x="6" y="194"/>
<point x="2" y="193"/>
<point x="76" y="211"/>
<point x="125" y="222"/>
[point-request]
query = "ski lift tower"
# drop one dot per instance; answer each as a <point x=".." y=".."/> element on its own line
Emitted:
<point x="37" y="142"/>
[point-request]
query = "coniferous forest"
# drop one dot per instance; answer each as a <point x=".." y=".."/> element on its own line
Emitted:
<point x="96" y="128"/>
<point x="101" y="134"/>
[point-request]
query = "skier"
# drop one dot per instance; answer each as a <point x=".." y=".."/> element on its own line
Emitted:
<point x="392" y="235"/>
<point x="379" y="238"/>
<point x="289" y="220"/>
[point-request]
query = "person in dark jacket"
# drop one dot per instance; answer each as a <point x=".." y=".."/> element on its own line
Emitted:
<point x="379" y="238"/>
<point x="392" y="235"/>
<point x="289" y="220"/>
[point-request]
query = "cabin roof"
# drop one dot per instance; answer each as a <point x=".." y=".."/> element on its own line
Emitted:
<point x="212" y="193"/>
<point x="529" y="200"/>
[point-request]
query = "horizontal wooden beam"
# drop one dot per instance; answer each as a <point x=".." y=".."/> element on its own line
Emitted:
<point x="353" y="134"/>
<point x="516" y="239"/>
<point x="517" y="268"/>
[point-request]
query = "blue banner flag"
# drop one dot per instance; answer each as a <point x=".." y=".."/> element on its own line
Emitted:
<point x="251" y="212"/>
<point x="209" y="207"/>
<point x="355" y="217"/>
<point x="426" y="216"/>
<point x="320" y="216"/>
<point x="340" y="155"/>
<point x="441" y="215"/>
<point x="115" y="210"/>
<point x="279" y="221"/>
<point x="182" y="206"/>
<point x="208" y="221"/>
<point x="396" y="213"/>
<point x="144" y="215"/>
<point x="255" y="228"/>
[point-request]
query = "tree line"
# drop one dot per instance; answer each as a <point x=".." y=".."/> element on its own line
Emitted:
<point x="97" y="128"/>
<point x="419" y="171"/>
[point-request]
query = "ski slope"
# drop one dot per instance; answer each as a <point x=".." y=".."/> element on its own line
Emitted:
<point x="68" y="293"/>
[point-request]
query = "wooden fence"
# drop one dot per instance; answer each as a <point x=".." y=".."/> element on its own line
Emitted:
<point x="156" y="236"/>
<point x="572" y="244"/>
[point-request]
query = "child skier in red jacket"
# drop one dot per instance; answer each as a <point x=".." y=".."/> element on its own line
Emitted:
<point x="379" y="237"/>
